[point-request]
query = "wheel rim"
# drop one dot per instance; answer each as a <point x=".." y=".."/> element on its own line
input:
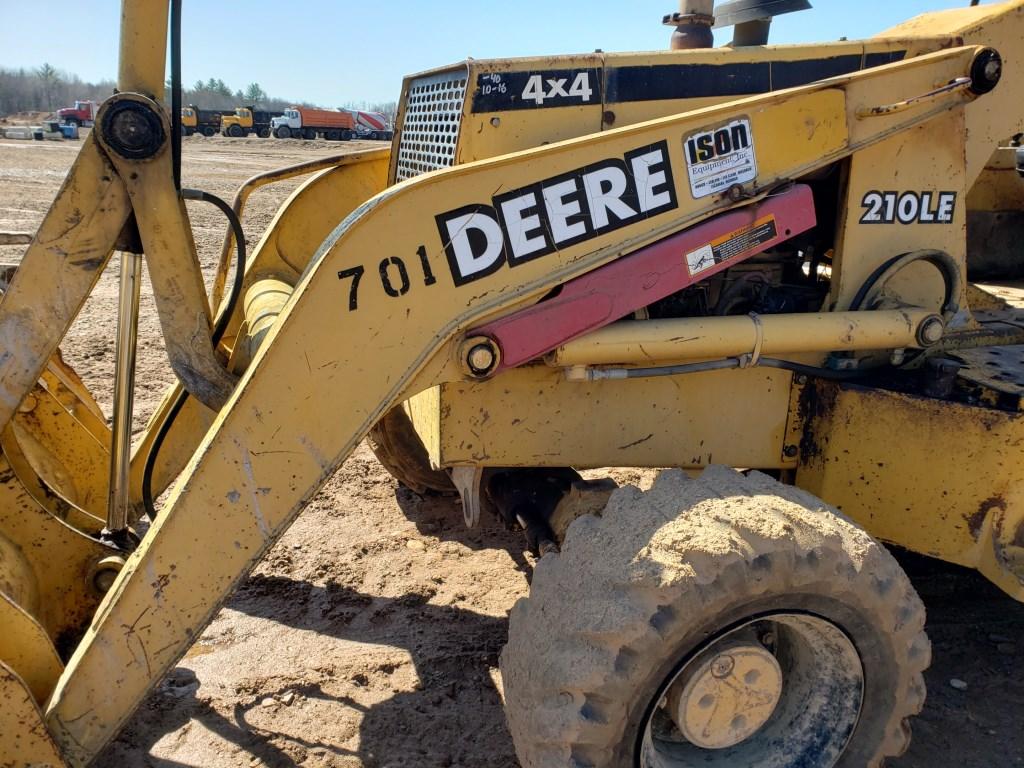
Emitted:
<point x="780" y="690"/>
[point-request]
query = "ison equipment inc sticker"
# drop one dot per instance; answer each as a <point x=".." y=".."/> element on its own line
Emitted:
<point x="732" y="246"/>
<point x="720" y="158"/>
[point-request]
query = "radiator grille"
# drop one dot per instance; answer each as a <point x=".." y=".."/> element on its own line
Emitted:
<point x="430" y="128"/>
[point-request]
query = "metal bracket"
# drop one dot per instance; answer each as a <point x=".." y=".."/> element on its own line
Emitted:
<point x="467" y="483"/>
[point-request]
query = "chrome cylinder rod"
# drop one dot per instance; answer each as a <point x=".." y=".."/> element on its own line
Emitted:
<point x="124" y="391"/>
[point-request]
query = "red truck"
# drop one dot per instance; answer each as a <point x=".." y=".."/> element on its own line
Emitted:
<point x="306" y="123"/>
<point x="83" y="113"/>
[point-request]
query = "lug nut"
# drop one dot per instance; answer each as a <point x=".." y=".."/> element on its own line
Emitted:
<point x="722" y="666"/>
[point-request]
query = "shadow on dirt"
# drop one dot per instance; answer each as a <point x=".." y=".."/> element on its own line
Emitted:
<point x="452" y="650"/>
<point x="976" y="633"/>
<point x="440" y="515"/>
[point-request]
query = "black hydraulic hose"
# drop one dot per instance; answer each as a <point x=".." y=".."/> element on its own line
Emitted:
<point x="941" y="260"/>
<point x="219" y="328"/>
<point x="176" y="91"/>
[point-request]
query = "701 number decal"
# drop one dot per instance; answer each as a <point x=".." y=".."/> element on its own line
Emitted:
<point x="394" y="277"/>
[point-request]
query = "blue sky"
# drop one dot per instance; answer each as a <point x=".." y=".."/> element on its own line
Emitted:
<point x="336" y="51"/>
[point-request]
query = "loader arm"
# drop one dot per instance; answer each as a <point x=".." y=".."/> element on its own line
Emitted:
<point x="381" y="312"/>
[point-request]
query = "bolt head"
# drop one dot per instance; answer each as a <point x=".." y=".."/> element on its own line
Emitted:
<point x="481" y="358"/>
<point x="932" y="330"/>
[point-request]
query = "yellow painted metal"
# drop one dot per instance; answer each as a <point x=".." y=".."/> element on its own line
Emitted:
<point x="530" y="417"/>
<point x="26" y="742"/>
<point x="70" y="249"/>
<point x="61" y="557"/>
<point x="489" y="134"/>
<point x="341" y="183"/>
<point x="143" y="53"/>
<point x="935" y="152"/>
<point x="26" y="649"/>
<point x="268" y="450"/>
<point x="68" y="460"/>
<point x="998" y="25"/>
<point x="309" y="214"/>
<point x="173" y="267"/>
<point x="660" y="341"/>
<point x="951" y="486"/>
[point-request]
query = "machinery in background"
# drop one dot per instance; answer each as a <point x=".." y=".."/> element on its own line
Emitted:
<point x="309" y="123"/>
<point x="205" y="122"/>
<point x="248" y="120"/>
<point x="83" y="114"/>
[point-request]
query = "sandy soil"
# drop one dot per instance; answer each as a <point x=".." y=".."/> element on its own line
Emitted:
<point x="370" y="635"/>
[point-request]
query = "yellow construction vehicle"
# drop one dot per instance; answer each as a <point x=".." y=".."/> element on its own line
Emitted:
<point x="247" y="120"/>
<point x="757" y="261"/>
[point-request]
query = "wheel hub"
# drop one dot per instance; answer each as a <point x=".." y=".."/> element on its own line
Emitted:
<point x="727" y="696"/>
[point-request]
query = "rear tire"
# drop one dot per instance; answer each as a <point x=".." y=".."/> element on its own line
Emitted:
<point x="333" y="135"/>
<point x="635" y="596"/>
<point x="208" y="132"/>
<point x="399" y="449"/>
<point x="309" y="134"/>
<point x="263" y="133"/>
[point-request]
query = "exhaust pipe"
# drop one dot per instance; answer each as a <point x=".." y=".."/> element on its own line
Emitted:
<point x="692" y="25"/>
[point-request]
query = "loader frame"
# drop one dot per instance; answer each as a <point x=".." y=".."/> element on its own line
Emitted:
<point x="387" y="307"/>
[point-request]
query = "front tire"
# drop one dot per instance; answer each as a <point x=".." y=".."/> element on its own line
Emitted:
<point x="397" y="446"/>
<point x="283" y="132"/>
<point x="638" y="599"/>
<point x="235" y="131"/>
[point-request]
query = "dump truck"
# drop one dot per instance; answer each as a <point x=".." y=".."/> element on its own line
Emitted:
<point x="308" y="123"/>
<point x="205" y="122"/>
<point x="247" y="120"/>
<point x="374" y="126"/>
<point x="82" y="114"/>
<point x="758" y="267"/>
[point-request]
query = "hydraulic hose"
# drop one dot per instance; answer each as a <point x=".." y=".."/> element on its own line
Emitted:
<point x="719" y="365"/>
<point x="219" y="328"/>
<point x="941" y="260"/>
<point x="176" y="91"/>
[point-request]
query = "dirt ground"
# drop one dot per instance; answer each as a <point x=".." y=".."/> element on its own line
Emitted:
<point x="370" y="635"/>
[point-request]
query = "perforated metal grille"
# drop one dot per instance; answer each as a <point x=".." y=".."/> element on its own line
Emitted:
<point x="430" y="129"/>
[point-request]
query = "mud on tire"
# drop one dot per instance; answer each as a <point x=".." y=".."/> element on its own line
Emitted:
<point x="399" y="449"/>
<point x="635" y="592"/>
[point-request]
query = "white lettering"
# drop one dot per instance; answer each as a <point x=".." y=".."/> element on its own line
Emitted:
<point x="472" y="259"/>
<point x="907" y="208"/>
<point x="947" y="204"/>
<point x="521" y="228"/>
<point x="646" y="182"/>
<point x="605" y="188"/>
<point x="560" y="211"/>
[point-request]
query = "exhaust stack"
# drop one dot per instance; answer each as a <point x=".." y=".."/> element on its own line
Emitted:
<point x="692" y="25"/>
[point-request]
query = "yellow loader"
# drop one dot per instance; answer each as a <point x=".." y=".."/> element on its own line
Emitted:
<point x="761" y="267"/>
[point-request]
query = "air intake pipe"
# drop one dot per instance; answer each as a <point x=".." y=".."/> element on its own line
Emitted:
<point x="752" y="19"/>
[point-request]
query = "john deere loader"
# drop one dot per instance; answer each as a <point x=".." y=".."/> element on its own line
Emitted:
<point x="768" y="269"/>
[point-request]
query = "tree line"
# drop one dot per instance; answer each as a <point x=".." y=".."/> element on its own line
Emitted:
<point x="47" y="89"/>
